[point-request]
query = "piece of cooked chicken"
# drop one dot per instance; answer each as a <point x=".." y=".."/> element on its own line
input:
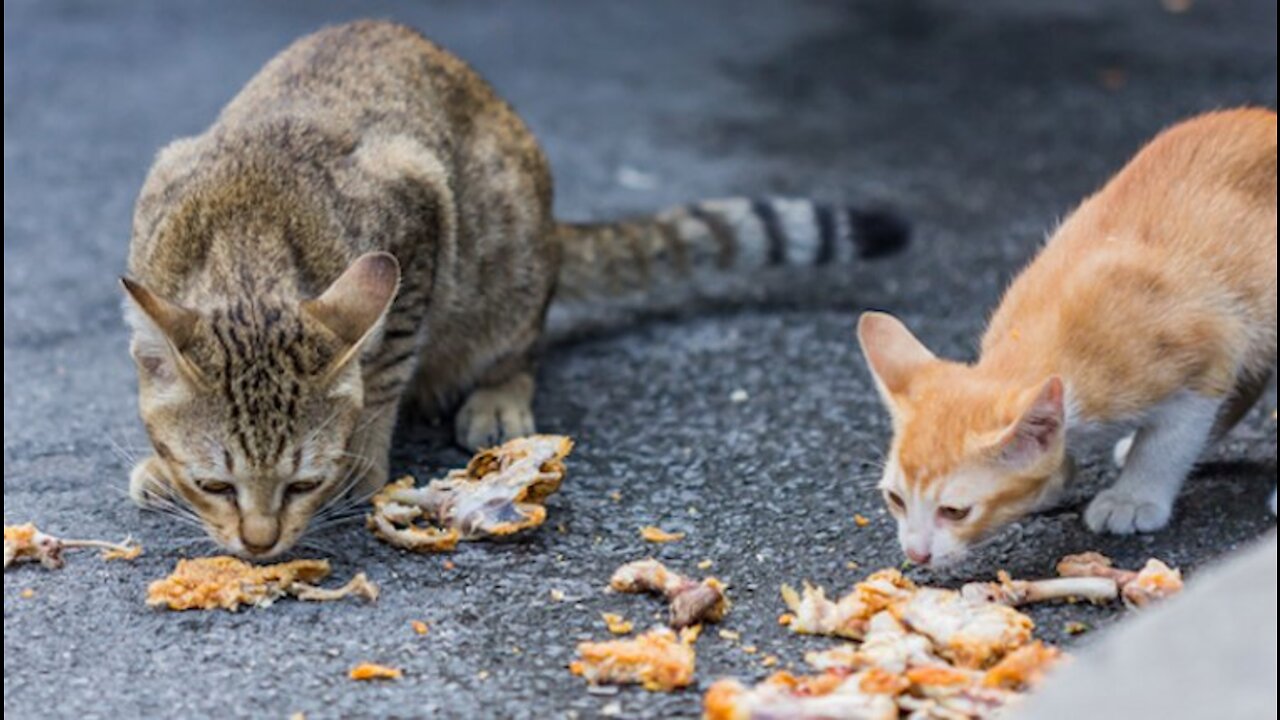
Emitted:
<point x="850" y="616"/>
<point x="692" y="602"/>
<point x="833" y="696"/>
<point x="1156" y="581"/>
<point x="28" y="544"/>
<point x="659" y="661"/>
<point x="1015" y="593"/>
<point x="501" y="492"/>
<point x="227" y="583"/>
<point x="972" y="635"/>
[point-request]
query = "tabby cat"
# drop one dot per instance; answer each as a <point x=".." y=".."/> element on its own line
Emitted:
<point x="367" y="221"/>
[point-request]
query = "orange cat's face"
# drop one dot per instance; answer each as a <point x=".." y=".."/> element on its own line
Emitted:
<point x="970" y="454"/>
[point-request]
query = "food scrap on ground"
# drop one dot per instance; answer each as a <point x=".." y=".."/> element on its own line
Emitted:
<point x="1007" y="591"/>
<point x="1155" y="582"/>
<point x="226" y="583"/>
<point x="658" y="536"/>
<point x="920" y="652"/>
<point x="784" y="695"/>
<point x="813" y="614"/>
<point x="659" y="661"/>
<point x="369" y="672"/>
<point x="420" y="628"/>
<point x="617" y="624"/>
<point x="27" y="544"/>
<point x="501" y="492"/>
<point x="692" y="602"/>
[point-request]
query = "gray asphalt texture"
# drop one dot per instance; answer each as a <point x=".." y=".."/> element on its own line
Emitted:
<point x="982" y="122"/>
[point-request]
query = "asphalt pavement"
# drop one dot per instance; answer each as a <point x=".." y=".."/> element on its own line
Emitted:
<point x="982" y="122"/>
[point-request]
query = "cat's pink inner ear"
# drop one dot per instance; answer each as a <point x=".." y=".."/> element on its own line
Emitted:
<point x="1040" y="428"/>
<point x="354" y="304"/>
<point x="893" y="353"/>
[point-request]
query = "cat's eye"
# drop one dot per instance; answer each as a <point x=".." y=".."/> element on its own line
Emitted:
<point x="896" y="501"/>
<point x="217" y="487"/>
<point x="303" y="487"/>
<point x="954" y="514"/>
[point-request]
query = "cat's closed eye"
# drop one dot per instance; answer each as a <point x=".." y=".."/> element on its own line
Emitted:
<point x="216" y="487"/>
<point x="303" y="487"/>
<point x="955" y="514"/>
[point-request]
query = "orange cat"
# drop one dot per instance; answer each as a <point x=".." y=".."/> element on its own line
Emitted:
<point x="1153" y="307"/>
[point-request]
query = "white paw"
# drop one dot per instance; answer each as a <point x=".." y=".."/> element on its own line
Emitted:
<point x="492" y="417"/>
<point x="1122" y="512"/>
<point x="1123" y="448"/>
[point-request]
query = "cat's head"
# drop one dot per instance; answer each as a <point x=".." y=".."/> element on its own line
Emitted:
<point x="251" y="407"/>
<point x="971" y="452"/>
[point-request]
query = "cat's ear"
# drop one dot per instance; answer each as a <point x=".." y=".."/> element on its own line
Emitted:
<point x="1039" y="429"/>
<point x="893" y="353"/>
<point x="356" y="302"/>
<point x="162" y="333"/>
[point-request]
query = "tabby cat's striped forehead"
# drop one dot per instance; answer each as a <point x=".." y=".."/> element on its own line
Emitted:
<point x="265" y="365"/>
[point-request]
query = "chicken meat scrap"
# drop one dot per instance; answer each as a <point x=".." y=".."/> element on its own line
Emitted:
<point x="692" y="602"/>
<point x="1155" y="582"/>
<point x="969" y="634"/>
<point x="225" y="583"/>
<point x="1015" y="593"/>
<point x="849" y="617"/>
<point x="888" y="646"/>
<point x="27" y="544"/>
<point x="659" y="661"/>
<point x="833" y="696"/>
<point x="501" y="492"/>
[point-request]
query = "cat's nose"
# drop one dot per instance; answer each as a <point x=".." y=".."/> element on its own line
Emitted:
<point x="920" y="557"/>
<point x="259" y="534"/>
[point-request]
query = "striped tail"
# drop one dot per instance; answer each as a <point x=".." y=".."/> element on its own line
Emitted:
<point x="724" y="235"/>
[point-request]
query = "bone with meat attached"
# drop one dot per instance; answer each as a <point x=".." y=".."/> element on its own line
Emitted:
<point x="692" y="602"/>
<point x="1155" y="582"/>
<point x="1028" y="592"/>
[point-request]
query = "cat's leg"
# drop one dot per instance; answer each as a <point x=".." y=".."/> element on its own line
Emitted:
<point x="1246" y="395"/>
<point x="497" y="411"/>
<point x="148" y="484"/>
<point x="1122" y="450"/>
<point x="1164" y="452"/>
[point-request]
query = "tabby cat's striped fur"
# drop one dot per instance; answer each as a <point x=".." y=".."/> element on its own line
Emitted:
<point x="365" y="220"/>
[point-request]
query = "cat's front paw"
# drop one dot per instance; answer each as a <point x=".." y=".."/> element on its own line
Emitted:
<point x="1123" y="512"/>
<point x="491" y="417"/>
<point x="148" y="484"/>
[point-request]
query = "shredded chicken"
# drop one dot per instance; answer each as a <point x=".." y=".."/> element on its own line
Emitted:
<point x="833" y="696"/>
<point x="659" y="661"/>
<point x="814" y="614"/>
<point x="888" y="646"/>
<point x="27" y="544"/>
<point x="225" y="583"/>
<point x="692" y="602"/>
<point x="501" y="492"/>
<point x="1024" y="668"/>
<point x="925" y="654"/>
<point x="969" y="634"/>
